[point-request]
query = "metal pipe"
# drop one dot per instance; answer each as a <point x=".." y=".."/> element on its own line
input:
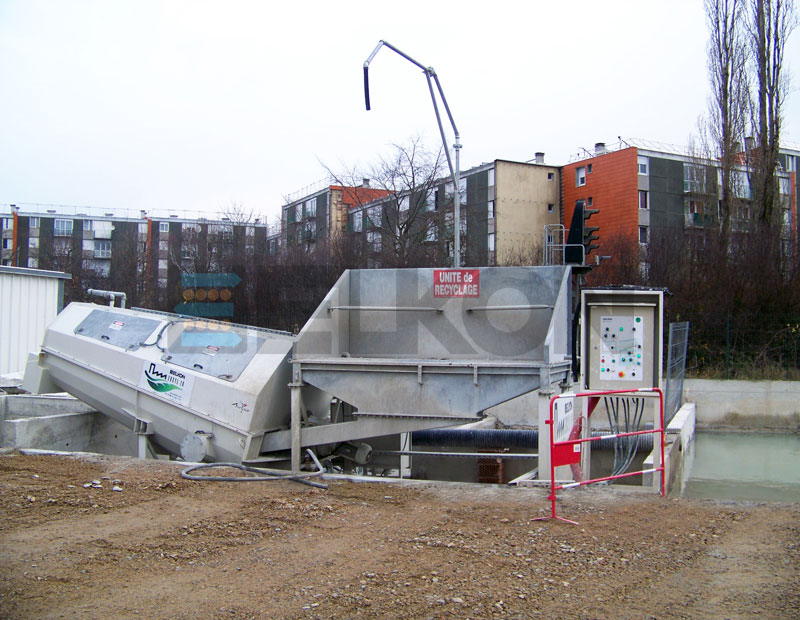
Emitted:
<point x="477" y="438"/>
<point x="524" y="307"/>
<point x="387" y="308"/>
<point x="478" y="455"/>
<point x="454" y="173"/>
<point x="110" y="295"/>
<point x="510" y="438"/>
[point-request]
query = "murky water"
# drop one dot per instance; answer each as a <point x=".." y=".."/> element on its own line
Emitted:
<point x="743" y="466"/>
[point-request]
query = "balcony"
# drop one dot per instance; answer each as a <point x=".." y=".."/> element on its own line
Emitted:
<point x="699" y="220"/>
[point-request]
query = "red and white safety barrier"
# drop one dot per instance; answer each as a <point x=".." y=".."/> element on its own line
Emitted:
<point x="568" y="452"/>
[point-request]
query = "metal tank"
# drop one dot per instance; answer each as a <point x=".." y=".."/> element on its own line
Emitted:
<point x="213" y="387"/>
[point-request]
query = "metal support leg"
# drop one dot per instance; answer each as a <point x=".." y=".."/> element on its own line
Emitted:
<point x="144" y="444"/>
<point x="296" y="419"/>
<point x="142" y="430"/>
<point x="543" y="402"/>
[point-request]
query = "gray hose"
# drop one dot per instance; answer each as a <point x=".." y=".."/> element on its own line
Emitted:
<point x="265" y="475"/>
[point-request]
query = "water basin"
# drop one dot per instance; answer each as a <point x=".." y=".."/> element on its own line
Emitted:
<point x="743" y="466"/>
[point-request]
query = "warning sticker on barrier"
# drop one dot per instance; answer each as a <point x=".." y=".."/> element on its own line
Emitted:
<point x="456" y="283"/>
<point x="564" y="422"/>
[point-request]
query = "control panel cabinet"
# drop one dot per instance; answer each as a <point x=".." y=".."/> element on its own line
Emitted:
<point x="621" y="338"/>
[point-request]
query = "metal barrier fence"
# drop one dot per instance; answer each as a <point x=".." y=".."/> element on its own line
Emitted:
<point x="744" y="345"/>
<point x="568" y="451"/>
<point x="676" y="368"/>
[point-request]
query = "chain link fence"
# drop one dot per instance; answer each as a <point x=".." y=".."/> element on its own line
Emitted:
<point x="745" y="346"/>
<point x="676" y="368"/>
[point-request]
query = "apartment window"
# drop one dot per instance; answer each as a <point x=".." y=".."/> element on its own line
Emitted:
<point x="163" y="227"/>
<point x="644" y="235"/>
<point x="741" y="184"/>
<point x="8" y="223"/>
<point x="374" y="240"/>
<point x="491" y="177"/>
<point x="490" y="209"/>
<point x="580" y="176"/>
<point x="102" y="249"/>
<point x="430" y="201"/>
<point x="462" y="191"/>
<point x="644" y="202"/>
<point x="33" y="222"/>
<point x="589" y="169"/>
<point x="62" y="228"/>
<point x="550" y="176"/>
<point x="643" y="164"/>
<point x="6" y="243"/>
<point x="551" y="207"/>
<point x="374" y="216"/>
<point x="404" y="203"/>
<point x="491" y="242"/>
<point x="357" y="216"/>
<point x="430" y="232"/>
<point x="311" y="207"/>
<point x="589" y="201"/>
<point x="87" y="225"/>
<point x="694" y="178"/>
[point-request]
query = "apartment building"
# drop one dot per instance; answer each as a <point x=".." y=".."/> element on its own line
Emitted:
<point x="641" y="187"/>
<point x="505" y="206"/>
<point x="322" y="214"/>
<point x="140" y="254"/>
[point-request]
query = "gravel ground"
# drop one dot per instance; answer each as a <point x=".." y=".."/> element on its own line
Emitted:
<point x="120" y="538"/>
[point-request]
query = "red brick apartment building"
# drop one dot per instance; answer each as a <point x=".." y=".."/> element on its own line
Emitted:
<point x="638" y="188"/>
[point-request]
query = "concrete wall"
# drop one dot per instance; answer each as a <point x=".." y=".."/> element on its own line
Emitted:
<point x="745" y="404"/>
<point x="60" y="422"/>
<point x="718" y="404"/>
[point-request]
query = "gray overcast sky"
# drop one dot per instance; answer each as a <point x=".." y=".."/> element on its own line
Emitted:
<point x="192" y="105"/>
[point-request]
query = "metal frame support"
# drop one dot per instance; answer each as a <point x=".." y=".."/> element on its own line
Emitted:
<point x="295" y="423"/>
<point x="454" y="173"/>
<point x="142" y="430"/>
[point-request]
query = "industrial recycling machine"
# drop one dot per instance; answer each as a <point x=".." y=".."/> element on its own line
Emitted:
<point x="386" y="352"/>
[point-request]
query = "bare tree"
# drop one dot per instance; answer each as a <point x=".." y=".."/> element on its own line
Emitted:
<point x="728" y="103"/>
<point x="626" y="263"/>
<point x="403" y="223"/>
<point x="771" y="23"/>
<point x="237" y="214"/>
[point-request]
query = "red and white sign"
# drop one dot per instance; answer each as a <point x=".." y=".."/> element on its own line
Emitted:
<point x="456" y="283"/>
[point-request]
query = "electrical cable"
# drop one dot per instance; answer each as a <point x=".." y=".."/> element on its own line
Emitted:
<point x="266" y="475"/>
<point x="625" y="448"/>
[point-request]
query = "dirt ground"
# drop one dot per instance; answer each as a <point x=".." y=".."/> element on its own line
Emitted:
<point x="163" y="547"/>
